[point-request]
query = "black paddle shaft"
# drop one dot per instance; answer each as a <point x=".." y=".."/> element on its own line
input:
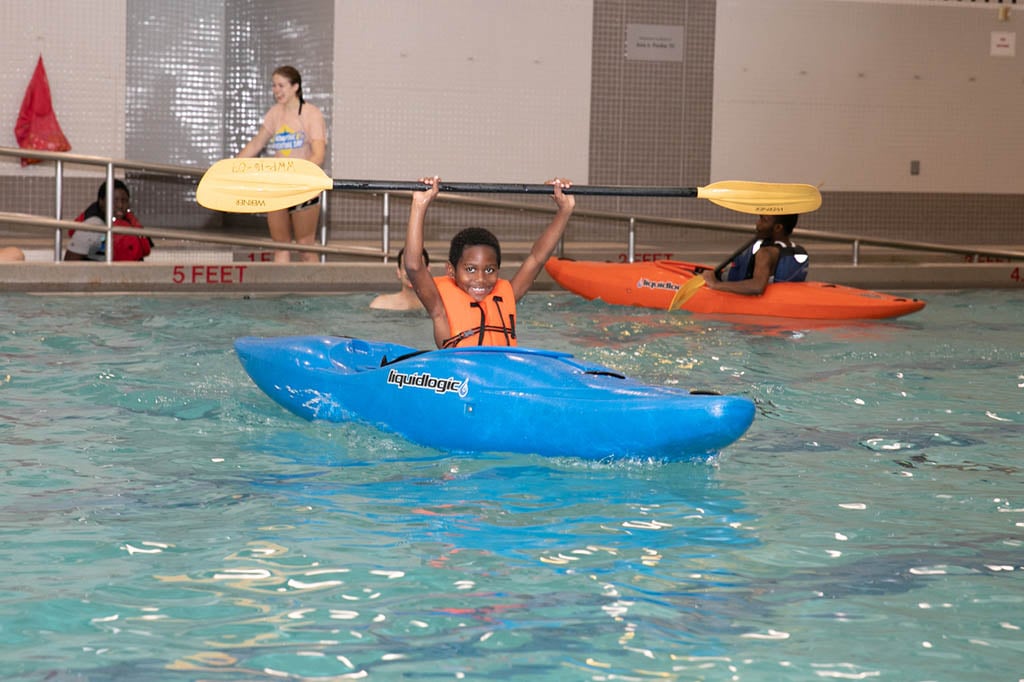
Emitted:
<point x="514" y="188"/>
<point x="718" y="271"/>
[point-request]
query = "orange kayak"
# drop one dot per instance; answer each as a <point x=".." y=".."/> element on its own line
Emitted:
<point x="653" y="284"/>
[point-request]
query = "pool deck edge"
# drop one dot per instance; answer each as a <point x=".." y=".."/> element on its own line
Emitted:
<point x="336" y="278"/>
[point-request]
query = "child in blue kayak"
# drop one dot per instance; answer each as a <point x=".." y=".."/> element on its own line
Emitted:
<point x="471" y="305"/>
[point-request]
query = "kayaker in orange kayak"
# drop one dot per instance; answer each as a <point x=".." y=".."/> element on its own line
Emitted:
<point x="770" y="257"/>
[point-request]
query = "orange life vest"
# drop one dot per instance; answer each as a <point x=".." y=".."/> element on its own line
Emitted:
<point x="491" y="322"/>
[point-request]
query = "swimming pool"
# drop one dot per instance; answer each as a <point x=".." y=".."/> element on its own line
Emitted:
<point x="162" y="519"/>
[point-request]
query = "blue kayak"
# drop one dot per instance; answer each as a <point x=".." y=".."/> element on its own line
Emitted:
<point x="492" y="399"/>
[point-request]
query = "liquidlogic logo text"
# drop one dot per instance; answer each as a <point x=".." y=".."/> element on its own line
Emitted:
<point x="428" y="382"/>
<point x="644" y="283"/>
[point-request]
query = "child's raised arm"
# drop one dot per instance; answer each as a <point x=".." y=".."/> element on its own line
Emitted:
<point x="415" y="267"/>
<point x="547" y="241"/>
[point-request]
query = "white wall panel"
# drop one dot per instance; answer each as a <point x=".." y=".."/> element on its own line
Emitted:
<point x="480" y="91"/>
<point x="83" y="49"/>
<point x="849" y="93"/>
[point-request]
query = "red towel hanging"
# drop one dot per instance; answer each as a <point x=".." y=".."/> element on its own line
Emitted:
<point x="37" y="126"/>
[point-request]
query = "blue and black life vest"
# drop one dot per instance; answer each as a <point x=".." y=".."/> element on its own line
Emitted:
<point x="792" y="265"/>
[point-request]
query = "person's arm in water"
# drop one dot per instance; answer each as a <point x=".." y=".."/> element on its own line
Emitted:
<point x="416" y="268"/>
<point x="765" y="261"/>
<point x="547" y="241"/>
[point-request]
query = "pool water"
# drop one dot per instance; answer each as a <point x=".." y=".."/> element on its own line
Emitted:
<point x="162" y="519"/>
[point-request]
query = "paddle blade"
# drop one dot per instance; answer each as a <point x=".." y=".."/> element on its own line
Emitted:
<point x="260" y="185"/>
<point x="686" y="292"/>
<point x="762" y="198"/>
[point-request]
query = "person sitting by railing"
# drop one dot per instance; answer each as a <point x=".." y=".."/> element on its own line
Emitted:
<point x="83" y="245"/>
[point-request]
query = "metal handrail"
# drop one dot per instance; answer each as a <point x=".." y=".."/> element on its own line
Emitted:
<point x="87" y="160"/>
<point x="27" y="220"/>
<point x="855" y="241"/>
<point x="60" y="158"/>
<point x="631" y="220"/>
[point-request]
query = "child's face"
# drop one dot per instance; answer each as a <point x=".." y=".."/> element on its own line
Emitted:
<point x="765" y="227"/>
<point x="121" y="203"/>
<point x="477" y="271"/>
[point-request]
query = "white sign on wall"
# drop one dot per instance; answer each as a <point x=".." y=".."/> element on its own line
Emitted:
<point x="1004" y="44"/>
<point x="654" y="43"/>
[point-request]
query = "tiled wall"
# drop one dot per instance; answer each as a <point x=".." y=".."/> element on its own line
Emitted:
<point x="175" y="105"/>
<point x="651" y="120"/>
<point x="199" y="75"/>
<point x="650" y="125"/>
<point x="265" y="34"/>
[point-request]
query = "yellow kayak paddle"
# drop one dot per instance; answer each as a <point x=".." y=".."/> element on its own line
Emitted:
<point x="271" y="184"/>
<point x="686" y="291"/>
<point x="691" y="286"/>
